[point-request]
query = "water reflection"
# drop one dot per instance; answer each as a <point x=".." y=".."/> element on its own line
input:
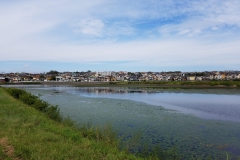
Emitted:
<point x="203" y="105"/>
<point x="122" y="90"/>
<point x="114" y="90"/>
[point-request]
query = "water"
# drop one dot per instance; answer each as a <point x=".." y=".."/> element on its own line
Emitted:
<point x="219" y="106"/>
<point x="199" y="123"/>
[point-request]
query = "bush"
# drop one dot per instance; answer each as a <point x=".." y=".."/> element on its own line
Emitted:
<point x="34" y="101"/>
<point x="54" y="113"/>
<point x="40" y="105"/>
<point x="15" y="92"/>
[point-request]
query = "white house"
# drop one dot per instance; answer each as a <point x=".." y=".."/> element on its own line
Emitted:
<point x="59" y="78"/>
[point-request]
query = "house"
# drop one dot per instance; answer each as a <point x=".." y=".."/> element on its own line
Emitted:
<point x="159" y="77"/>
<point x="60" y="78"/>
<point x="133" y="78"/>
<point x="211" y="77"/>
<point x="191" y="78"/>
<point x="199" y="78"/>
<point x="141" y="78"/>
<point x="16" y="79"/>
<point x="238" y="77"/>
<point x="27" y="78"/>
<point x="101" y="78"/>
<point x="36" y="78"/>
<point x="218" y="77"/>
<point x="2" y="80"/>
<point x="120" y="78"/>
<point x="223" y="76"/>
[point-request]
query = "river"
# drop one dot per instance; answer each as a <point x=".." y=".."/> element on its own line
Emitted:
<point x="196" y="122"/>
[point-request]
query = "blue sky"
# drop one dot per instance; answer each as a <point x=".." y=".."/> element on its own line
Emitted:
<point x="106" y="35"/>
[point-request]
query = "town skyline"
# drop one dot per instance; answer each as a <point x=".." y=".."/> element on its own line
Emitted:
<point x="112" y="76"/>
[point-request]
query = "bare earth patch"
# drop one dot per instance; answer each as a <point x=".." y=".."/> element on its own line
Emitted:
<point x="8" y="149"/>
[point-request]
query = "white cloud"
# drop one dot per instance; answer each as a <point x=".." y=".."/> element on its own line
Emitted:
<point x="90" y="17"/>
<point x="118" y="29"/>
<point x="149" y="53"/>
<point x="91" y="27"/>
<point x="204" y="16"/>
<point x="182" y="32"/>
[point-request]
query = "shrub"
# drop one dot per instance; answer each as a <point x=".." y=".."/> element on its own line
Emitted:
<point x="34" y="101"/>
<point x="15" y="92"/>
<point x="54" y="113"/>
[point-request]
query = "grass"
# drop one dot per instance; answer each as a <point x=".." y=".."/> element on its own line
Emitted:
<point x="208" y="83"/>
<point x="21" y="83"/>
<point x="148" y="84"/>
<point x="32" y="134"/>
<point x="33" y="101"/>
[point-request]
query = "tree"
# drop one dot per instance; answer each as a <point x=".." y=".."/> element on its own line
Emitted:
<point x="53" y="78"/>
<point x="53" y="72"/>
<point x="42" y="76"/>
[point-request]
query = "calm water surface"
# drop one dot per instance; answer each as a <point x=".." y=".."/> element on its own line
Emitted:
<point x="199" y="123"/>
<point x="218" y="104"/>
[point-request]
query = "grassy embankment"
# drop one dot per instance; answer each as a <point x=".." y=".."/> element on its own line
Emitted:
<point x="27" y="133"/>
<point x="210" y="83"/>
<point x="154" y="84"/>
<point x="144" y="84"/>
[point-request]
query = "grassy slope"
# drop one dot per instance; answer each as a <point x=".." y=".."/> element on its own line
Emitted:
<point x="146" y="84"/>
<point x="154" y="84"/>
<point x="183" y="84"/>
<point x="34" y="136"/>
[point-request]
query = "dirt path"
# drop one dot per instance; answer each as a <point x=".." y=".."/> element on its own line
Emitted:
<point x="8" y="149"/>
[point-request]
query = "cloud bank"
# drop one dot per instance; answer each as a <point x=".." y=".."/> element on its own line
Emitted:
<point x="153" y="33"/>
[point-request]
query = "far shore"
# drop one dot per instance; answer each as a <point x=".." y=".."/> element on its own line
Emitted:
<point x="125" y="84"/>
<point x="107" y="84"/>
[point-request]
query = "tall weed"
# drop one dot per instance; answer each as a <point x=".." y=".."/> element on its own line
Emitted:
<point x="35" y="102"/>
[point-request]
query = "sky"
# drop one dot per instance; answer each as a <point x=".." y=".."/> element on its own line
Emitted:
<point x="119" y="35"/>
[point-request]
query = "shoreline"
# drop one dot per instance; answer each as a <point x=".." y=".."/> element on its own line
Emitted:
<point x="135" y="85"/>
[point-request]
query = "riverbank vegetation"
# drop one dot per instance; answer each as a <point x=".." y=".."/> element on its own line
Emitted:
<point x="191" y="83"/>
<point x="154" y="84"/>
<point x="145" y="84"/>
